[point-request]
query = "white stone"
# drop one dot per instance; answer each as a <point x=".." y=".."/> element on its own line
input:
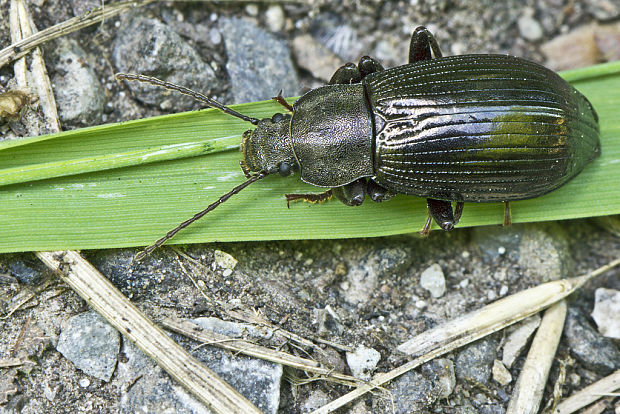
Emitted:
<point x="433" y="280"/>
<point x="363" y="361"/>
<point x="606" y="312"/>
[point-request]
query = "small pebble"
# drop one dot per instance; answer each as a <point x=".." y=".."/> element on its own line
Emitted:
<point x="433" y="280"/>
<point x="606" y="312"/>
<point x="224" y="260"/>
<point x="84" y="382"/>
<point x="252" y="9"/>
<point x="501" y="373"/>
<point x="275" y="18"/>
<point x="530" y="28"/>
<point x="363" y="362"/>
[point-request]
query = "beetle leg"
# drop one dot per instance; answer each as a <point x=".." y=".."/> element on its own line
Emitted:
<point x="423" y="45"/>
<point x="280" y="99"/>
<point x="352" y="194"/>
<point x="346" y="75"/>
<point x="427" y="226"/>
<point x="369" y="65"/>
<point x="441" y="211"/>
<point x="507" y="215"/>
<point x="378" y="193"/>
<point x="313" y="198"/>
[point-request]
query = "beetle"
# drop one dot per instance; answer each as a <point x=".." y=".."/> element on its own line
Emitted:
<point x="468" y="128"/>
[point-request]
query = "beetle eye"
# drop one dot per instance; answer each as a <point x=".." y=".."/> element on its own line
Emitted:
<point x="277" y="117"/>
<point x="284" y="168"/>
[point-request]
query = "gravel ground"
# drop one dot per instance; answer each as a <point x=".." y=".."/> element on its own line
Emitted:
<point x="369" y="295"/>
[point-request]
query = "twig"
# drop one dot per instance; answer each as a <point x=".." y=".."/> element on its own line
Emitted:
<point x="22" y="47"/>
<point x="589" y="394"/>
<point x="113" y="306"/>
<point x="470" y="327"/>
<point x="193" y="331"/>
<point x="108" y="301"/>
<point x="528" y="392"/>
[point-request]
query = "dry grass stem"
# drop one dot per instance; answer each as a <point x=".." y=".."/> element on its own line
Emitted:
<point x="530" y="386"/>
<point x="83" y="278"/>
<point x="602" y="388"/>
<point x="470" y="327"/>
<point x="195" y="332"/>
<point x="109" y="302"/>
<point x="22" y="47"/>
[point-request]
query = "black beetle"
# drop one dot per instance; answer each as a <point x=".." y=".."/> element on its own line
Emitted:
<point x="471" y="128"/>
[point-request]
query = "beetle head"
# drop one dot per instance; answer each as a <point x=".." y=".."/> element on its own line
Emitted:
<point x="268" y="147"/>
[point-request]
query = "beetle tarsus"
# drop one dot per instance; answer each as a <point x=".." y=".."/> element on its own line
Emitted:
<point x="426" y="230"/>
<point x="441" y="211"/>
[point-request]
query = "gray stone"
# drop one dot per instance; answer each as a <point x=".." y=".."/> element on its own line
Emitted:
<point x="315" y="400"/>
<point x="257" y="380"/>
<point x="328" y="322"/>
<point x="24" y="273"/>
<point x="363" y="362"/>
<point x="433" y="280"/>
<point x="604" y="9"/>
<point x="596" y="352"/>
<point x="501" y="373"/>
<point x="91" y="344"/>
<point x="149" y="47"/>
<point x="517" y="337"/>
<point x="224" y="260"/>
<point x="441" y="372"/>
<point x="79" y="95"/>
<point x="363" y="276"/>
<point x="496" y="241"/>
<point x="606" y="312"/>
<point x="544" y="253"/>
<point x="259" y="64"/>
<point x="530" y="28"/>
<point x="315" y="57"/>
<point x="336" y="34"/>
<point x="474" y="362"/>
<point x="411" y="392"/>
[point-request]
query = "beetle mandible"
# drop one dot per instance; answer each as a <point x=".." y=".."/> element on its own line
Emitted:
<point x="470" y="128"/>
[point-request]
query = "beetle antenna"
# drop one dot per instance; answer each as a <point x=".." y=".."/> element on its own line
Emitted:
<point x="186" y="91"/>
<point x="141" y="255"/>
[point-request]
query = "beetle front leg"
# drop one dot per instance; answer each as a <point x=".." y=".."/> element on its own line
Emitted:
<point x="352" y="194"/>
<point x="377" y="193"/>
<point x="423" y="45"/>
<point x="441" y="211"/>
<point x="313" y="198"/>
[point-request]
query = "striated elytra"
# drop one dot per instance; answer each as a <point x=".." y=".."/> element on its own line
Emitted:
<point x="471" y="128"/>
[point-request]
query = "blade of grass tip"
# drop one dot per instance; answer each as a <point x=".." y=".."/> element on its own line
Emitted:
<point x="528" y="391"/>
<point x="590" y="72"/>
<point x="41" y="171"/>
<point x="451" y="335"/>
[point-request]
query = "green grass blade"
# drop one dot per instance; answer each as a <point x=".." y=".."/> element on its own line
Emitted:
<point x="92" y="203"/>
